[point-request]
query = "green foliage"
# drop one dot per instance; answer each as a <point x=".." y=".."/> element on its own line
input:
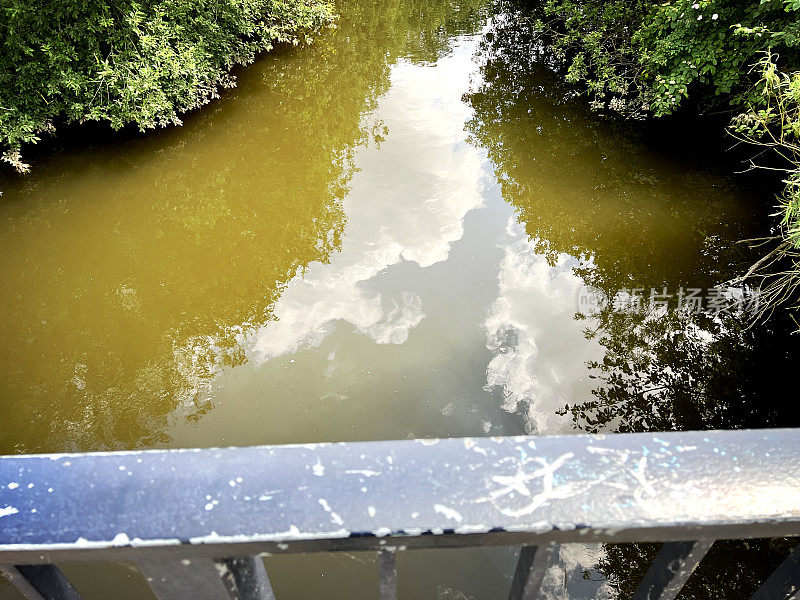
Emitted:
<point x="772" y="120"/>
<point x="594" y="41"/>
<point x="643" y="57"/>
<point x="133" y="61"/>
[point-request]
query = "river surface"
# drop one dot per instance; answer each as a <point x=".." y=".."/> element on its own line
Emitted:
<point x="385" y="235"/>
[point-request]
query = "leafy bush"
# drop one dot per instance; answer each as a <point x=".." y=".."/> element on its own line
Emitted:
<point x="642" y="57"/>
<point x="772" y="120"/>
<point x="132" y="61"/>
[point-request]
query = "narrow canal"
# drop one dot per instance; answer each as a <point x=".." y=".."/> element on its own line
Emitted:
<point x="385" y="235"/>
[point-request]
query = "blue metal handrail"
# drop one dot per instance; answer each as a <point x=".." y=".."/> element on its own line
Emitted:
<point x="198" y="519"/>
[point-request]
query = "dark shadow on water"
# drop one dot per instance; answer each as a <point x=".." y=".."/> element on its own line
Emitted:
<point x="651" y="207"/>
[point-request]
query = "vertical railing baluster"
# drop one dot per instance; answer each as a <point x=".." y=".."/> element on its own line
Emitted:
<point x="528" y="576"/>
<point x="40" y="582"/>
<point x="247" y="578"/>
<point x="387" y="572"/>
<point x="671" y="569"/>
<point x="186" y="579"/>
<point x="784" y="581"/>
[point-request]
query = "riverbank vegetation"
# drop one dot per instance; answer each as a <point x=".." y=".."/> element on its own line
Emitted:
<point x="740" y="58"/>
<point x="201" y="230"/>
<point x="141" y="62"/>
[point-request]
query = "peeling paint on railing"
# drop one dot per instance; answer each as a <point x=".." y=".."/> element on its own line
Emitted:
<point x="420" y="493"/>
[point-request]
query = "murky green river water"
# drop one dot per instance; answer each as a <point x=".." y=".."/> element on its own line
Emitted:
<point x="385" y="235"/>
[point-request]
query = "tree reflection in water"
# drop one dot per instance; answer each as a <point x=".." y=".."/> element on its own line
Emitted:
<point x="591" y="190"/>
<point x="133" y="269"/>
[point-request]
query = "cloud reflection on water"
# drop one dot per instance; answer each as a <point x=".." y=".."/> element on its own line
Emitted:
<point x="407" y="203"/>
<point x="540" y="349"/>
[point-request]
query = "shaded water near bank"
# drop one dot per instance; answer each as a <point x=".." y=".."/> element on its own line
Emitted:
<point x="385" y="235"/>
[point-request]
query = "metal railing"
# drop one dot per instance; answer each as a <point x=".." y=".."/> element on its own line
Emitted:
<point x="196" y="522"/>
